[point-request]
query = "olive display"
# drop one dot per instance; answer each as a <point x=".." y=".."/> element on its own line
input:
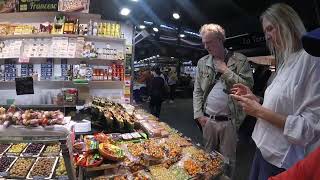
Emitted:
<point x="52" y="149"/>
<point x="17" y="148"/>
<point x="21" y="167"/>
<point x="34" y="148"/>
<point x="61" y="170"/>
<point x="3" y="147"/>
<point x="43" y="167"/>
<point x="5" y="163"/>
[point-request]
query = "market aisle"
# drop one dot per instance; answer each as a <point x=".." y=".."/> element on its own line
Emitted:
<point x="180" y="116"/>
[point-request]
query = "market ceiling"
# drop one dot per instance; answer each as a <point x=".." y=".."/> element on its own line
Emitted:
<point x="239" y="17"/>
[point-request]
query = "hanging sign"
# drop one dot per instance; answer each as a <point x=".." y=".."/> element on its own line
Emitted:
<point x="38" y="5"/>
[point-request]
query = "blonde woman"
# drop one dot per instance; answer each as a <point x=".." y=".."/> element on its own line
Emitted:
<point x="288" y="119"/>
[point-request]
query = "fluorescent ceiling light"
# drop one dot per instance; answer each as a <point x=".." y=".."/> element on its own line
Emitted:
<point x="148" y="22"/>
<point x="176" y="15"/>
<point x="155" y="29"/>
<point x="125" y="11"/>
<point x="142" y="26"/>
<point x="135" y="0"/>
<point x="182" y="35"/>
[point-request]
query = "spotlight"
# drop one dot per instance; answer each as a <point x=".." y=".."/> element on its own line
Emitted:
<point x="182" y="35"/>
<point x="125" y="11"/>
<point x="142" y="26"/>
<point x="176" y="15"/>
<point x="155" y="29"/>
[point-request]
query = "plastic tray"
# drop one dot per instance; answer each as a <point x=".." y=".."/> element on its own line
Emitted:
<point x="52" y="169"/>
<point x="2" y="153"/>
<point x="43" y="153"/>
<point x="23" y="154"/>
<point x="5" y="173"/>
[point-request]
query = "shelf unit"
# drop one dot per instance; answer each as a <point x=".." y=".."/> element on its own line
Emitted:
<point x="32" y="15"/>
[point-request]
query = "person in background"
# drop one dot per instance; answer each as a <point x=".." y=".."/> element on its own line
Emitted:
<point x="288" y="119"/>
<point x="219" y="116"/>
<point x="157" y="91"/>
<point x="172" y="82"/>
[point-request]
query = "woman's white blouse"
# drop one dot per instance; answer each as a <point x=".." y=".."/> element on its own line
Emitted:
<point x="295" y="93"/>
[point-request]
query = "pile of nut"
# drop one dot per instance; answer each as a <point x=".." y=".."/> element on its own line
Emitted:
<point x="5" y="163"/>
<point x="192" y="167"/>
<point x="21" y="167"/>
<point x="17" y="148"/>
<point x="34" y="148"/>
<point x="3" y="147"/>
<point x="43" y="167"/>
<point x="52" y="149"/>
<point x="136" y="149"/>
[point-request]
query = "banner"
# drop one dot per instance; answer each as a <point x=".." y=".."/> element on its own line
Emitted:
<point x="37" y="5"/>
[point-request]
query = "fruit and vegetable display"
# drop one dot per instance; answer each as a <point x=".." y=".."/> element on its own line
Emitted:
<point x="43" y="167"/>
<point x="16" y="116"/>
<point x="17" y="148"/>
<point x="61" y="169"/>
<point x="51" y="149"/>
<point x="4" y="147"/>
<point x="33" y="149"/>
<point x="5" y="163"/>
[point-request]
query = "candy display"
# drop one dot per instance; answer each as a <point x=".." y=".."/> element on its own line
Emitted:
<point x="111" y="152"/>
<point x="21" y="167"/>
<point x="43" y="167"/>
<point x="5" y="163"/>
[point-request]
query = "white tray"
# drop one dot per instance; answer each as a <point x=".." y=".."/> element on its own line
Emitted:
<point x="6" y="150"/>
<point x="52" y="170"/>
<point x="16" y="154"/>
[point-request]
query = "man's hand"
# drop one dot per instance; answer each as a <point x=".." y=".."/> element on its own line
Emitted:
<point x="202" y="120"/>
<point x="221" y="66"/>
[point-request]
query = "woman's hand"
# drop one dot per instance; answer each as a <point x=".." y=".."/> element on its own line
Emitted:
<point x="249" y="105"/>
<point x="244" y="91"/>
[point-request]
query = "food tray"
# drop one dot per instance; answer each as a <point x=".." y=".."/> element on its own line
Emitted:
<point x="52" y="169"/>
<point x="5" y="173"/>
<point x="51" y="154"/>
<point x="6" y="149"/>
<point x="56" y="168"/>
<point x="27" y="169"/>
<point x="24" y="154"/>
<point x="13" y="153"/>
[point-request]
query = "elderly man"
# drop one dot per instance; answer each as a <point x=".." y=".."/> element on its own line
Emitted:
<point x="218" y="114"/>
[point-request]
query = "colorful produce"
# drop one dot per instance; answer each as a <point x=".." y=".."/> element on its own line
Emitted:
<point x="43" y="167"/>
<point x="52" y="149"/>
<point x="111" y="152"/>
<point x="192" y="167"/>
<point x="21" y="167"/>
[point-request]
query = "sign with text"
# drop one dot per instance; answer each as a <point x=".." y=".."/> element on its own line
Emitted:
<point x="38" y="5"/>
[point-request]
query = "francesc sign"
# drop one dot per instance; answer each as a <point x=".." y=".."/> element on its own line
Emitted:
<point x="38" y="5"/>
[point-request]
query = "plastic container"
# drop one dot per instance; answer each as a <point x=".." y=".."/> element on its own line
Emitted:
<point x="5" y="172"/>
<point x="35" y="154"/>
<point x="24" y="173"/>
<point x="16" y="153"/>
<point x="4" y="148"/>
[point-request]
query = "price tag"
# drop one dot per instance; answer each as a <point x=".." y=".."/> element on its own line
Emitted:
<point x="3" y="174"/>
<point x="38" y="177"/>
<point x="63" y="178"/>
<point x="24" y="59"/>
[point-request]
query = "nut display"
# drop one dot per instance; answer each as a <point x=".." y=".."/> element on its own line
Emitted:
<point x="43" y="167"/>
<point x="5" y="163"/>
<point x="17" y="148"/>
<point x="3" y="147"/>
<point x="33" y="148"/>
<point x="136" y="149"/>
<point x="61" y="170"/>
<point x="140" y="176"/>
<point x="52" y="149"/>
<point x="21" y="167"/>
<point x="192" y="167"/>
<point x="161" y="173"/>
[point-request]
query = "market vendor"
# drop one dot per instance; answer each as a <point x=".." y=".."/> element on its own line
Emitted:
<point x="219" y="116"/>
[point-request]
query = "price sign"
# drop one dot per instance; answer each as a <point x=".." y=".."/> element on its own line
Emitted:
<point x="24" y="59"/>
<point x="24" y="85"/>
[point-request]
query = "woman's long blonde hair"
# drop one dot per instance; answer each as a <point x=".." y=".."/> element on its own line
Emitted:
<point x="290" y="29"/>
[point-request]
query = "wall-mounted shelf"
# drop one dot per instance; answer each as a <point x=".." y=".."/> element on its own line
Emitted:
<point x="23" y="15"/>
<point x="88" y="38"/>
<point x="9" y="85"/>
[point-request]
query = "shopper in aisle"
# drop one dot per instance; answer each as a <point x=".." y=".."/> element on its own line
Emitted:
<point x="218" y="115"/>
<point x="157" y="91"/>
<point x="172" y="82"/>
<point x="288" y="119"/>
